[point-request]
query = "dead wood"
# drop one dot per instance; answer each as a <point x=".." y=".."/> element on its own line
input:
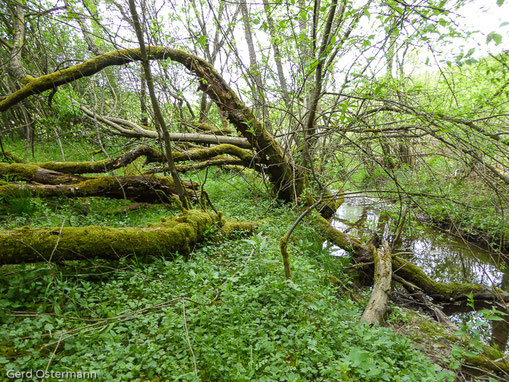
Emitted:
<point x="176" y="235"/>
<point x="286" y="179"/>
<point x="34" y="173"/>
<point x="151" y="189"/>
<point x="130" y="129"/>
<point x="439" y="291"/>
<point x="377" y="305"/>
<point x="152" y="155"/>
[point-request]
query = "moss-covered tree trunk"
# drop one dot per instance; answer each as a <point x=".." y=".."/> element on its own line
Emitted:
<point x="283" y="174"/>
<point x="175" y="235"/>
<point x="147" y="188"/>
<point x="439" y="291"/>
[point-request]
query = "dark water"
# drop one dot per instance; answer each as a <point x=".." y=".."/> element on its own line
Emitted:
<point x="442" y="256"/>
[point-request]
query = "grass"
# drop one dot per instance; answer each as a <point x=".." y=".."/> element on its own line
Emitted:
<point x="225" y="313"/>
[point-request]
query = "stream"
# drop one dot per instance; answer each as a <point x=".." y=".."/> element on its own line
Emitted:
<point x="440" y="255"/>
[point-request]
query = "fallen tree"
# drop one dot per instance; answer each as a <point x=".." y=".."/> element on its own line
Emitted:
<point x="146" y="188"/>
<point x="412" y="277"/>
<point x="34" y="173"/>
<point x="287" y="180"/>
<point x="176" y="235"/>
<point x="151" y="156"/>
<point x="439" y="291"/>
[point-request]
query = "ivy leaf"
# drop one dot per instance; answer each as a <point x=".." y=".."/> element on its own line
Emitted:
<point x="500" y="2"/>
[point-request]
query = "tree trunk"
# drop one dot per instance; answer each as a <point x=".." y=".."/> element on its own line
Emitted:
<point x="377" y="305"/>
<point x="152" y="155"/>
<point x="176" y="235"/>
<point x="439" y="291"/>
<point x="160" y="123"/>
<point x="287" y="181"/>
<point x="144" y="188"/>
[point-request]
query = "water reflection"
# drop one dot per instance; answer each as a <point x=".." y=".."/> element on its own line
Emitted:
<point x="441" y="256"/>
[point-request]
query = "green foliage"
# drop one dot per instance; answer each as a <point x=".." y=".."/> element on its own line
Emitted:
<point x="242" y="320"/>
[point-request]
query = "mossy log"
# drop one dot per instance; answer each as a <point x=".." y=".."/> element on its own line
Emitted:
<point x="34" y="173"/>
<point x="151" y="189"/>
<point x="178" y="234"/>
<point x="285" y="177"/>
<point x="105" y="165"/>
<point x="439" y="291"/>
<point x="377" y="304"/>
<point x="342" y="240"/>
<point x="152" y="155"/>
<point x="499" y="364"/>
<point x="210" y="129"/>
<point x="445" y="292"/>
<point x="216" y="162"/>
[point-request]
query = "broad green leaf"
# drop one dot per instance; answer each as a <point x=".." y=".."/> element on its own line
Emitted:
<point x="493" y="36"/>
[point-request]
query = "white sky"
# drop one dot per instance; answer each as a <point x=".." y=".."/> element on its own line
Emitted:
<point x="486" y="17"/>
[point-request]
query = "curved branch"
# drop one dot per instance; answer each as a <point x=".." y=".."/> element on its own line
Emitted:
<point x="151" y="189"/>
<point x="152" y="155"/>
<point x="283" y="175"/>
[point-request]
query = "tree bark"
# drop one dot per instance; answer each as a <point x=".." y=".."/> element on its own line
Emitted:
<point x="439" y="291"/>
<point x="159" y="119"/>
<point x="131" y="129"/>
<point x="15" y="62"/>
<point x="152" y="155"/>
<point x="377" y="305"/>
<point x="34" y="173"/>
<point x="144" y="188"/>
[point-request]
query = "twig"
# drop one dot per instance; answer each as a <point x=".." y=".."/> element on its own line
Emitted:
<point x="52" y="355"/>
<point x="58" y="241"/>
<point x="188" y="340"/>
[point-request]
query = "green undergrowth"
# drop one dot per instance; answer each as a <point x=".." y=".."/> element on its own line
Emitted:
<point x="224" y="313"/>
<point x="25" y="210"/>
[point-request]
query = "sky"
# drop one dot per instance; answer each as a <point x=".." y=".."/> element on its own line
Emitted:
<point x="486" y="17"/>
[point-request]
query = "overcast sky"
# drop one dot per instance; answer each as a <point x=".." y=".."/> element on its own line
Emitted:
<point x="486" y="16"/>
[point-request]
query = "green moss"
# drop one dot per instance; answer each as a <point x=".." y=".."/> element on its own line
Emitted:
<point x="11" y="157"/>
<point x="175" y="235"/>
<point x="18" y="171"/>
<point x="97" y="185"/>
<point x="444" y="291"/>
<point x="202" y="154"/>
<point x="77" y="167"/>
<point x="236" y="226"/>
